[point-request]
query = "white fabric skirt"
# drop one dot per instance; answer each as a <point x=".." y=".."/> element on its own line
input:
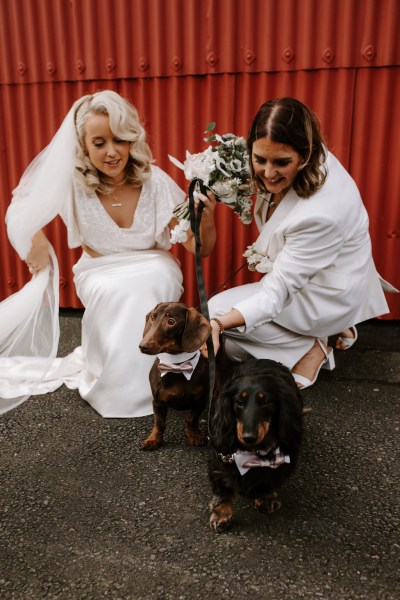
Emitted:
<point x="108" y="369"/>
<point x="117" y="292"/>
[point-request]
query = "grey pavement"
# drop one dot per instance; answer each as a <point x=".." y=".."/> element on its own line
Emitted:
<point x="85" y="514"/>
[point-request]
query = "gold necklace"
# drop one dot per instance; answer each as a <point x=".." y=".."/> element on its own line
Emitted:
<point x="116" y="198"/>
<point x="274" y="203"/>
<point x="271" y="203"/>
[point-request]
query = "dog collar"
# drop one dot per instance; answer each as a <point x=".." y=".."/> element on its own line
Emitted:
<point x="184" y="362"/>
<point x="247" y="460"/>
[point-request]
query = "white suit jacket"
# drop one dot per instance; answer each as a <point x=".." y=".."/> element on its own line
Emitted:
<point x="323" y="278"/>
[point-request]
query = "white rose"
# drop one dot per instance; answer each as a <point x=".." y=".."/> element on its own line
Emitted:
<point x="199" y="166"/>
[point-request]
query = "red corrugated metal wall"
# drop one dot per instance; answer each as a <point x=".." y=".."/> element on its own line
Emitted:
<point x="184" y="63"/>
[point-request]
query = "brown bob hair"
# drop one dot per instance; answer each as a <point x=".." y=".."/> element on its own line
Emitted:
<point x="288" y="121"/>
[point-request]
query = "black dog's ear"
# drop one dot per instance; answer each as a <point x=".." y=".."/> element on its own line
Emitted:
<point x="223" y="423"/>
<point x="197" y="330"/>
<point x="290" y="415"/>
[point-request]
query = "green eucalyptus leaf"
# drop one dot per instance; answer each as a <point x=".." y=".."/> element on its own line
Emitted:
<point x="210" y="127"/>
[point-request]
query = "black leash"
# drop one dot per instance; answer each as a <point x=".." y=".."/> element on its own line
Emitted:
<point x="197" y="185"/>
<point x="223" y="284"/>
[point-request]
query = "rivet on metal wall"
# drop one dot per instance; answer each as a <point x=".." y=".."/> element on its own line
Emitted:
<point x="177" y="63"/>
<point x="143" y="64"/>
<point x="369" y="52"/>
<point x="249" y="57"/>
<point x="11" y="283"/>
<point x="80" y="66"/>
<point x="22" y="68"/>
<point x="212" y="59"/>
<point x="328" y="55"/>
<point x="110" y="65"/>
<point x="51" y="68"/>
<point x="288" y="54"/>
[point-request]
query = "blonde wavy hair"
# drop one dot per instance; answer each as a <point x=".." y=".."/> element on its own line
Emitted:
<point x="125" y="125"/>
<point x="288" y="121"/>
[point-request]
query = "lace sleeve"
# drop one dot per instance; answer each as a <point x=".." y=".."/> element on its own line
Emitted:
<point x="167" y="196"/>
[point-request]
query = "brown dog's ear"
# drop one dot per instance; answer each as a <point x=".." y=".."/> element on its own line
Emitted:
<point x="197" y="330"/>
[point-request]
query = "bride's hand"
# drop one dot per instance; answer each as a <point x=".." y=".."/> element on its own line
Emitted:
<point x="38" y="257"/>
<point x="209" y="202"/>
<point x="215" y="333"/>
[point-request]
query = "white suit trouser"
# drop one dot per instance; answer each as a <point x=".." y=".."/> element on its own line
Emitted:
<point x="269" y="340"/>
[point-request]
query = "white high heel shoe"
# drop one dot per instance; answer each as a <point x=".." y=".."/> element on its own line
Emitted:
<point x="328" y="363"/>
<point x="348" y="342"/>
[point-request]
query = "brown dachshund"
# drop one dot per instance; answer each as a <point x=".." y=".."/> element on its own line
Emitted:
<point x="179" y="375"/>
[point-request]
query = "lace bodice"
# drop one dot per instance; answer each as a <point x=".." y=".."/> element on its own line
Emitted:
<point x="89" y="223"/>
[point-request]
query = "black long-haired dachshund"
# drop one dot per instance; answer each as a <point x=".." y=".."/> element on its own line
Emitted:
<point x="256" y="431"/>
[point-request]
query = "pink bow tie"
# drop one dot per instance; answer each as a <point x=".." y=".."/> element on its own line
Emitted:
<point x="183" y="367"/>
<point x="278" y="460"/>
<point x="246" y="460"/>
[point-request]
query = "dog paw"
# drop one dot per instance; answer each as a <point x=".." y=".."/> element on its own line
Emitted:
<point x="151" y="444"/>
<point x="221" y="517"/>
<point x="267" y="505"/>
<point x="217" y="524"/>
<point x="195" y="437"/>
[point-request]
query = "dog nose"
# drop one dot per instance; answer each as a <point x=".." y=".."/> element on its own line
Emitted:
<point x="249" y="437"/>
<point x="149" y="348"/>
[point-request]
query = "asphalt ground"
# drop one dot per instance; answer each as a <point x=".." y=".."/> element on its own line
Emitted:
<point x="86" y="514"/>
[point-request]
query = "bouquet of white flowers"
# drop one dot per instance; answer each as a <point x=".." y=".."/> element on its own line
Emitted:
<point x="224" y="169"/>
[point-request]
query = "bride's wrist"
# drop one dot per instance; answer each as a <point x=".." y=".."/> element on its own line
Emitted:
<point x="220" y="327"/>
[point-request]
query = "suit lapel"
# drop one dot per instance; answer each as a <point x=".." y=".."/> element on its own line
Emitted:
<point x="266" y="229"/>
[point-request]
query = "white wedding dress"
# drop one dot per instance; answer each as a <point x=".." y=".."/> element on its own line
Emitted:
<point x="118" y="289"/>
